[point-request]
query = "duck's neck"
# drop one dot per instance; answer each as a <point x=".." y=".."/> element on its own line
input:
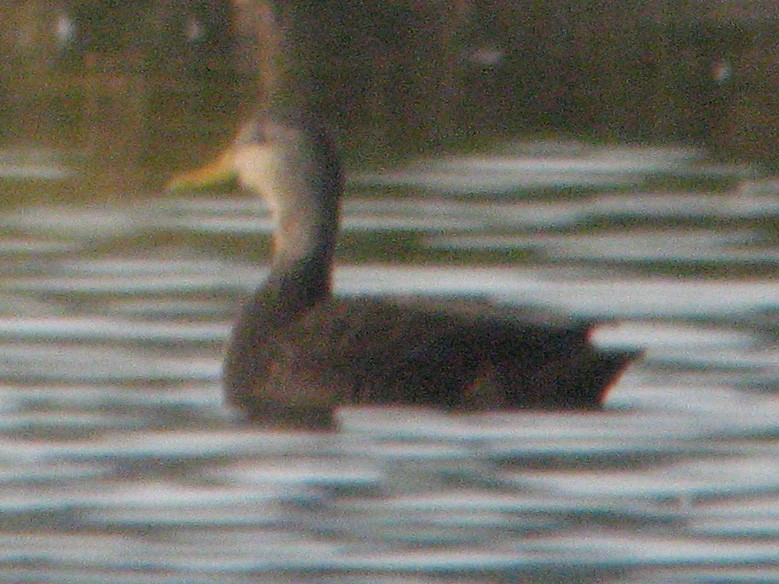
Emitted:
<point x="295" y="169"/>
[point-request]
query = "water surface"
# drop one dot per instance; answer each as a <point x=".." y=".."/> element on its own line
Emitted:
<point x="120" y="463"/>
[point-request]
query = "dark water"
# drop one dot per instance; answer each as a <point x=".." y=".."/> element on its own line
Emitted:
<point x="119" y="463"/>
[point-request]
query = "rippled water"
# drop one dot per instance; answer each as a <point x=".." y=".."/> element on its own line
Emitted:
<point x="119" y="463"/>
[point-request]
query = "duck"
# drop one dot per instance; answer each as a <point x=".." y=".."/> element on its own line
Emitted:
<point x="298" y="353"/>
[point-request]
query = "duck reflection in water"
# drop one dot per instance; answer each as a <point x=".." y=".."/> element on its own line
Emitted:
<point x="297" y="353"/>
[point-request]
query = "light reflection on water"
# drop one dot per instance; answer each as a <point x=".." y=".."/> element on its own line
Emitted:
<point x="119" y="463"/>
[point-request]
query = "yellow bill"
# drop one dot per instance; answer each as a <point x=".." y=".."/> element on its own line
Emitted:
<point x="217" y="175"/>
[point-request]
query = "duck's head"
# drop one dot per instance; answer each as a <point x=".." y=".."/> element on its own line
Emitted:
<point x="293" y="166"/>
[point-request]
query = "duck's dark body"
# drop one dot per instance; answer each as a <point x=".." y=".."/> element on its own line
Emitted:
<point x="462" y="356"/>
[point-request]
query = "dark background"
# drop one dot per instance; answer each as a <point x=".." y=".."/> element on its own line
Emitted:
<point x="126" y="80"/>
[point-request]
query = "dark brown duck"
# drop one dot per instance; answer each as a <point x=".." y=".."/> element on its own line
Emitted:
<point x="297" y="353"/>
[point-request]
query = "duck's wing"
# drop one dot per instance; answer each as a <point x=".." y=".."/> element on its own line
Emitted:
<point x="459" y="355"/>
